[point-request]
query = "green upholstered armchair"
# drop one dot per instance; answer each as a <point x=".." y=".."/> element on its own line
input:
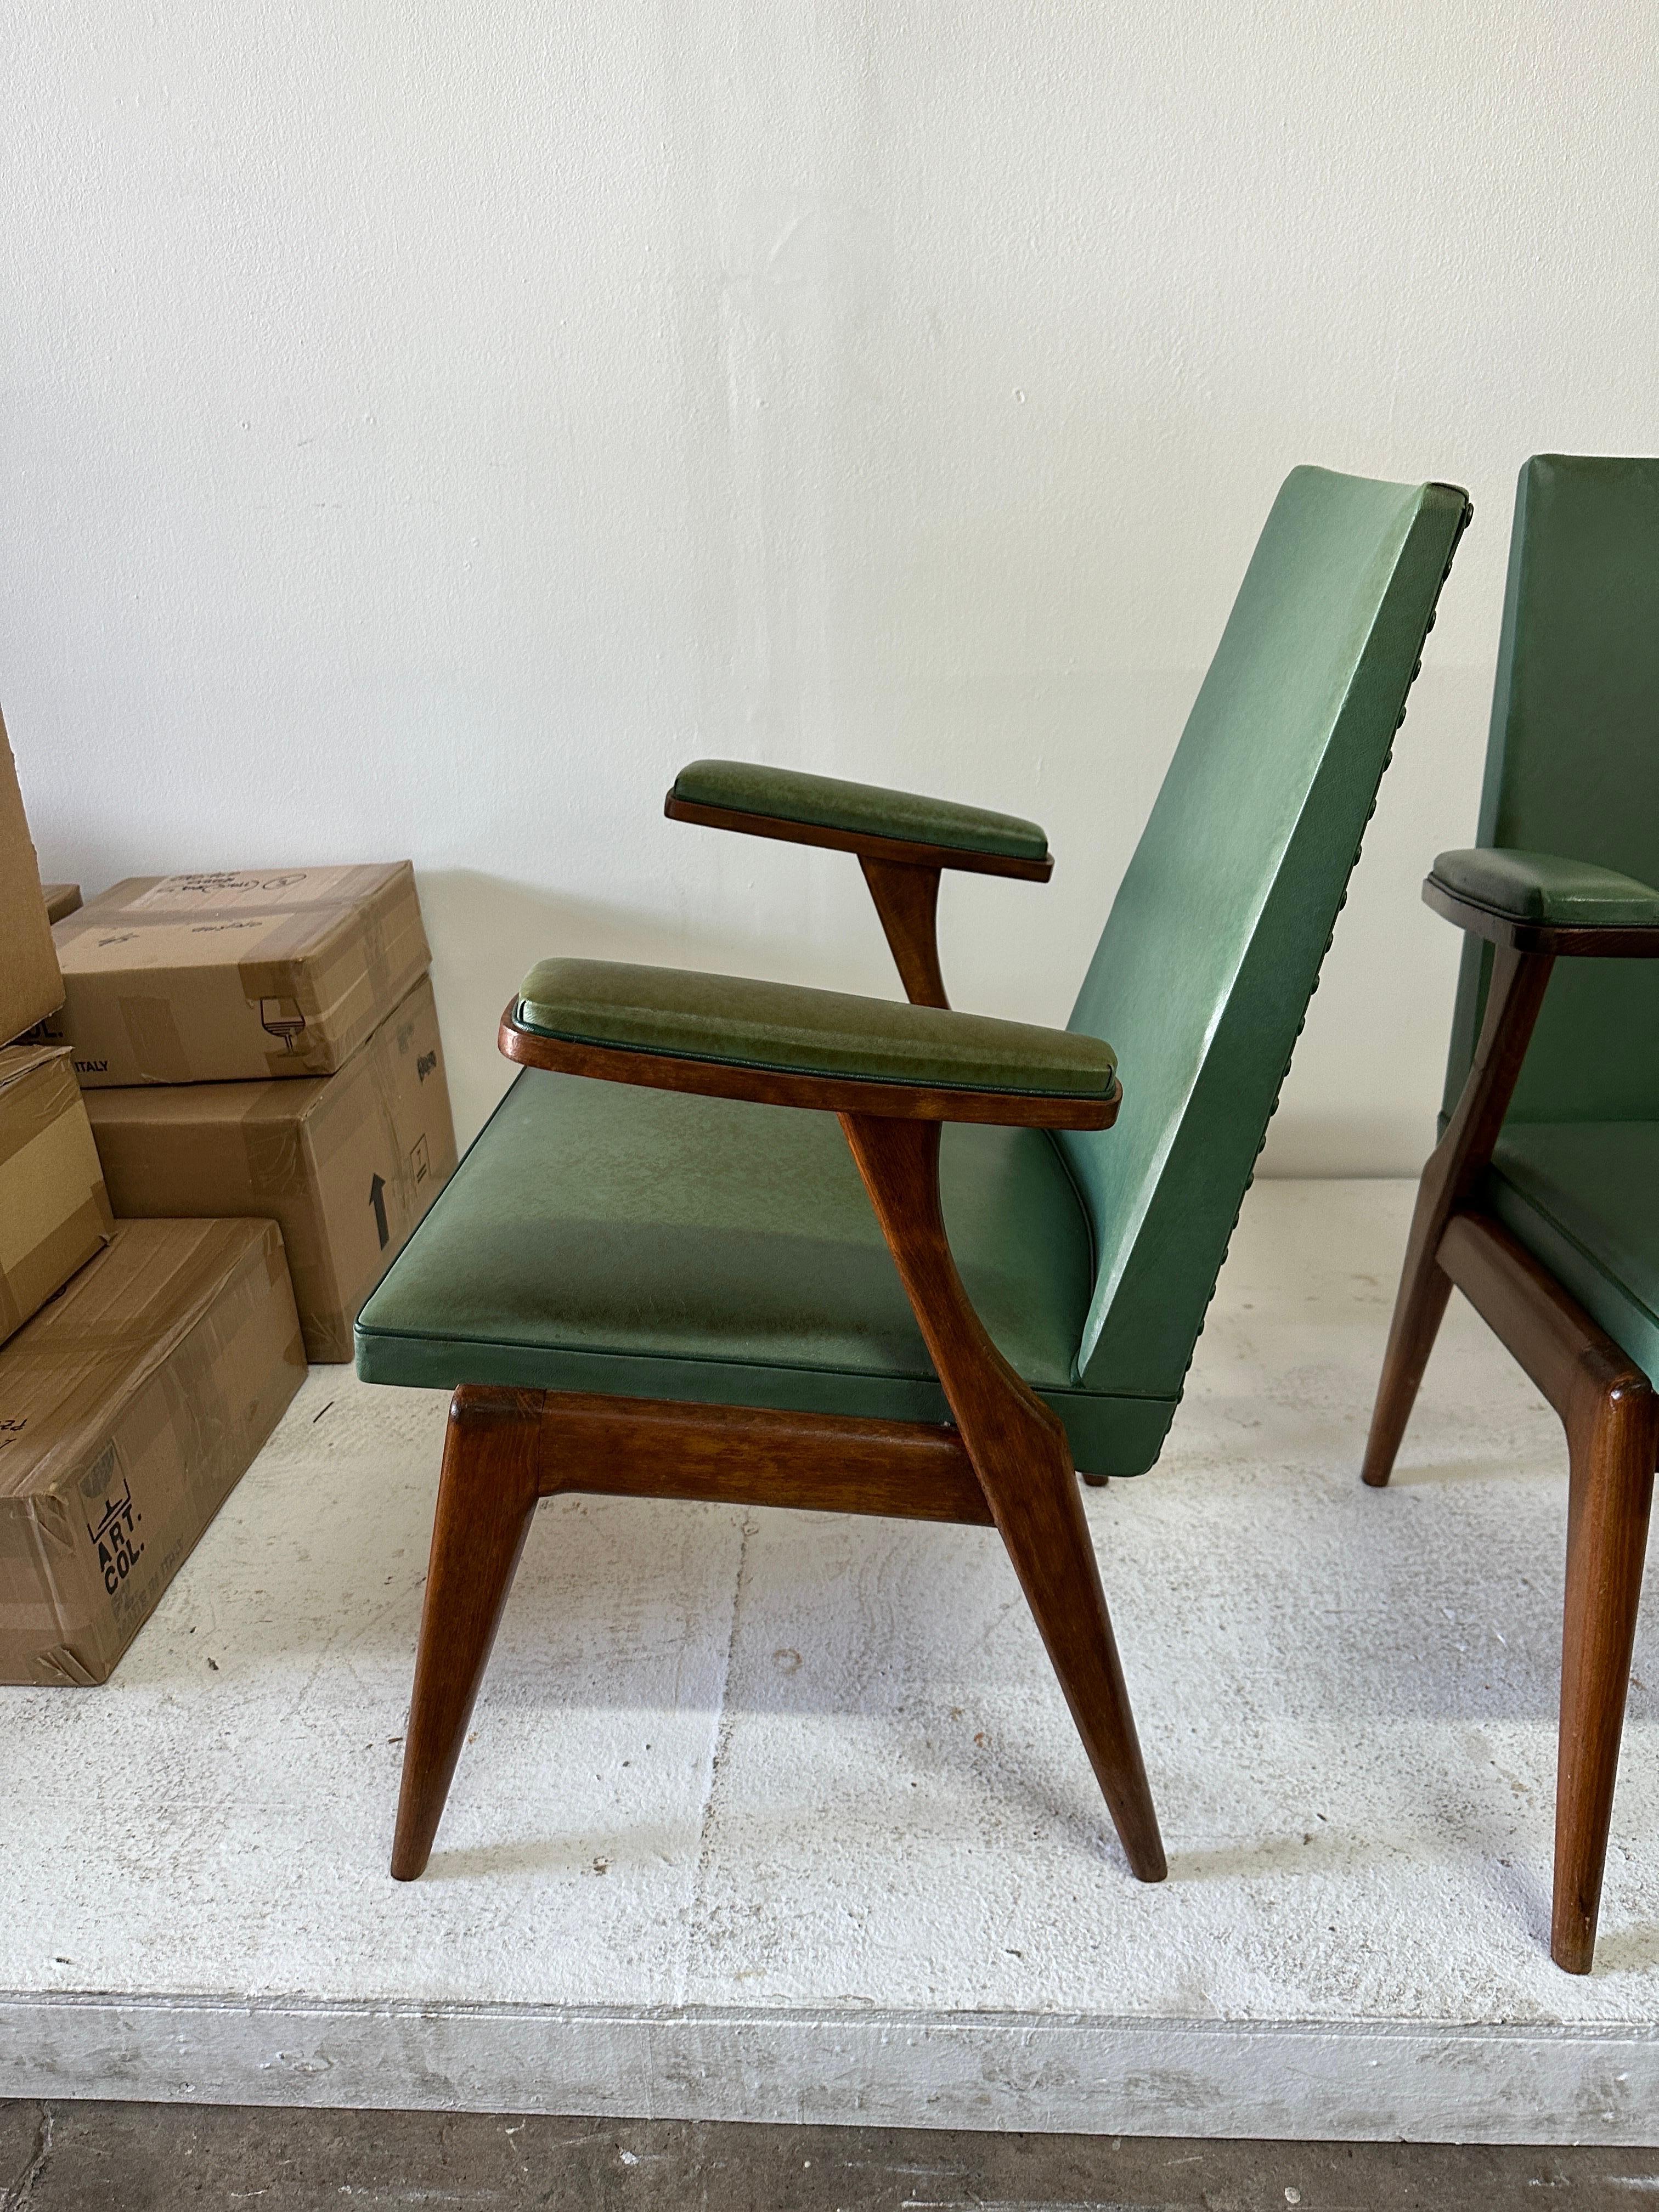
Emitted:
<point x="1541" y="1202"/>
<point x="664" y="1269"/>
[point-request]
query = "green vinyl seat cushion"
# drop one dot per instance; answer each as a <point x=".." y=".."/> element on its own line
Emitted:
<point x="786" y="1028"/>
<point x="829" y="802"/>
<point x="609" y="1237"/>
<point x="1583" y="1197"/>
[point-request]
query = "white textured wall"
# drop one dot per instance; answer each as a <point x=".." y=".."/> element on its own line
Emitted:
<point x="426" y="425"/>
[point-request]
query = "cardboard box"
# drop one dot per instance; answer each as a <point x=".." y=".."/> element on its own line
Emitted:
<point x="62" y="899"/>
<point x="54" y="1214"/>
<point x="225" y="978"/>
<point x="30" y="985"/>
<point x="128" y="1410"/>
<point x="348" y="1164"/>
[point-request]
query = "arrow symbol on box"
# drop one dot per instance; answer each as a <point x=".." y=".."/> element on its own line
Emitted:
<point x="377" y="1199"/>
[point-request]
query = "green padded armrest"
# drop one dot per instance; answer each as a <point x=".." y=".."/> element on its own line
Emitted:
<point x="860" y="809"/>
<point x="785" y="1029"/>
<point x="1540" y="887"/>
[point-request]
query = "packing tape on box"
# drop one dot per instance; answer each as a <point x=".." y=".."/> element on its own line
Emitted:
<point x="60" y="1667"/>
<point x="379" y="952"/>
<point x="289" y="924"/>
<point x="153" y="1033"/>
<point x="68" y="1245"/>
<point x="43" y="1090"/>
<point x="55" y="1522"/>
<point x="89" y="1348"/>
<point x="32" y="1182"/>
<point x="341" y="993"/>
<point x="274" y="1153"/>
<point x="393" y="955"/>
<point x="346" y="992"/>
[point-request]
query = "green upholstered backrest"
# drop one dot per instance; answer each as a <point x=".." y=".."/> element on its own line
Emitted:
<point x="1572" y="768"/>
<point x="1202" y="978"/>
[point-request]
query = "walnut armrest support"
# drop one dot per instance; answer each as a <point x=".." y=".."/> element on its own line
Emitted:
<point x="1537" y="902"/>
<point x="780" y="1044"/>
<point x="1532" y="908"/>
<point x="903" y="841"/>
<point x="1523" y="957"/>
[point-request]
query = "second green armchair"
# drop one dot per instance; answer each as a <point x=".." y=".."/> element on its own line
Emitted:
<point x="734" y="1241"/>
<point x="1541" y="1201"/>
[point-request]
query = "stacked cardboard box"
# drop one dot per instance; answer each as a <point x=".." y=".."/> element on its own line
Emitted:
<point x="129" y="1409"/>
<point x="142" y="1365"/>
<point x="347" y="1163"/>
<point x="225" y="976"/>
<point x="265" y="1045"/>
<point x="30" y="984"/>
<point x="54" y="1215"/>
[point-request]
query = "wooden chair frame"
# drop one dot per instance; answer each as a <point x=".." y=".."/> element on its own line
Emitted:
<point x="1605" y="1403"/>
<point x="903" y="879"/>
<point x="1004" y="1463"/>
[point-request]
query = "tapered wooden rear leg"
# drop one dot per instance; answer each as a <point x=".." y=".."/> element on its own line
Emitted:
<point x="1454" y="1170"/>
<point x="486" y="1496"/>
<point x="1419" y="1308"/>
<point x="1020" y="1455"/>
<point x="1613" y="1453"/>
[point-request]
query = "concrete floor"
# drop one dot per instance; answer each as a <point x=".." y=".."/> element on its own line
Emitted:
<point x="776" y="1817"/>
<point x="152" y="2158"/>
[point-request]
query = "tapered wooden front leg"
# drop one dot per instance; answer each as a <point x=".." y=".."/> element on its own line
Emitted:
<point x="1609" y="1501"/>
<point x="1454" y="1169"/>
<point x="1023" y="1463"/>
<point x="486" y="1496"/>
